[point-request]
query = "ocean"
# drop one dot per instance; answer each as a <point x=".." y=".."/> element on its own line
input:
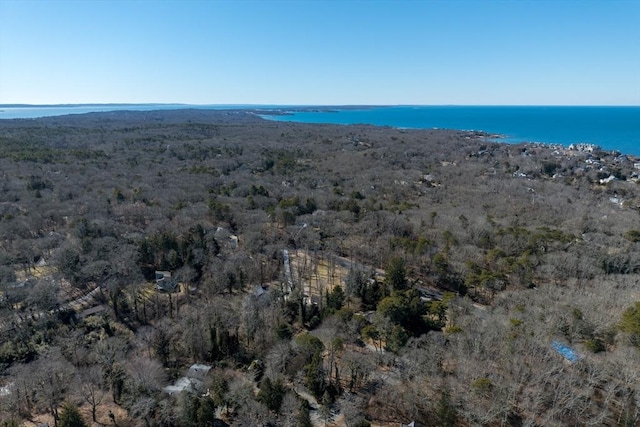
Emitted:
<point x="612" y="128"/>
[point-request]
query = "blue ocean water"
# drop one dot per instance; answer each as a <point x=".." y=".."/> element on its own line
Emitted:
<point x="612" y="128"/>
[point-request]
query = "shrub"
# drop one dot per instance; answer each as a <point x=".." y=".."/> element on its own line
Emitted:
<point x="633" y="236"/>
<point x="595" y="345"/>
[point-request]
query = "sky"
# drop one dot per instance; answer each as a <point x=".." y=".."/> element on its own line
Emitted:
<point x="332" y="52"/>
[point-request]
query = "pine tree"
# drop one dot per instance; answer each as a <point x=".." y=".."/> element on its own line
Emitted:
<point x="70" y="416"/>
<point x="445" y="411"/>
<point x="325" y="408"/>
<point x="630" y="323"/>
<point x="395" y="276"/>
<point x="272" y="393"/>
<point x="304" y="417"/>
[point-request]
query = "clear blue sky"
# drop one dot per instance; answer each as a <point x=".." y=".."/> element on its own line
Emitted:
<point x="321" y="52"/>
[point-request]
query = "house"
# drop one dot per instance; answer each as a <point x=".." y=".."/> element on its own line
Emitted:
<point x="164" y="282"/>
<point x="259" y="290"/>
<point x="222" y="234"/>
<point x="616" y="200"/>
<point x="6" y="390"/>
<point x="198" y="371"/>
<point x="192" y="382"/>
<point x="588" y="148"/>
<point x="611" y="178"/>
<point x="92" y="311"/>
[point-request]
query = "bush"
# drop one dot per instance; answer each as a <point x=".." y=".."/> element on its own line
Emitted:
<point x="453" y="329"/>
<point x="633" y="236"/>
<point x="482" y="385"/>
<point x="595" y="345"/>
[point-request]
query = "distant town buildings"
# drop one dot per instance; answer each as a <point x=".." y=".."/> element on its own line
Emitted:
<point x="608" y="179"/>
<point x="589" y="148"/>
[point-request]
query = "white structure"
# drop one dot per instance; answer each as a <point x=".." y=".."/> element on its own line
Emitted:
<point x="192" y="382"/>
<point x="611" y="178"/>
<point x="588" y="148"/>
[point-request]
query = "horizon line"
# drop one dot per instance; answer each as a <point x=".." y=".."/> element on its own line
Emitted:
<point x="116" y="104"/>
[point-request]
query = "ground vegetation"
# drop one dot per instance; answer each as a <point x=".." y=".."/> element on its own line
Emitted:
<point x="327" y="275"/>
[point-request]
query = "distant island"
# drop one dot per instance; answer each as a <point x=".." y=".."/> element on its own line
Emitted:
<point x="80" y="105"/>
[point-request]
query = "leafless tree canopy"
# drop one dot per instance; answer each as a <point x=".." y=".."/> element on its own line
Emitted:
<point x="338" y="275"/>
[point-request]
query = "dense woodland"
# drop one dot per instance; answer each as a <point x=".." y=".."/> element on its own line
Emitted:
<point x="457" y="264"/>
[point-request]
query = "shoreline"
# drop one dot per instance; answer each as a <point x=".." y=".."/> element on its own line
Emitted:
<point x="289" y="113"/>
<point x="509" y="136"/>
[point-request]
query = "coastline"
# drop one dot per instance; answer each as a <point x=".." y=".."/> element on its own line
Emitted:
<point x="614" y="128"/>
<point x="505" y="124"/>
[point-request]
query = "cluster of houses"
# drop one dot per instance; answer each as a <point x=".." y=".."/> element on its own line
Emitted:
<point x="584" y="147"/>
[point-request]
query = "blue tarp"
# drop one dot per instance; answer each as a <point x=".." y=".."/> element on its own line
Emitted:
<point x="565" y="351"/>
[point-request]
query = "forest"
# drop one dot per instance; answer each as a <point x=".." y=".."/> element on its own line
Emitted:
<point x="213" y="268"/>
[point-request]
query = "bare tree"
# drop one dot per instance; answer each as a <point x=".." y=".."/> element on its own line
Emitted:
<point x="52" y="375"/>
<point x="90" y="388"/>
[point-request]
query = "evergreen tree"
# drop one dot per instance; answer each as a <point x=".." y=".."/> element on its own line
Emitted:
<point x="445" y="411"/>
<point x="395" y="275"/>
<point x="630" y="323"/>
<point x="335" y="299"/>
<point x="206" y="412"/>
<point x="271" y="393"/>
<point x="70" y="416"/>
<point x="304" y="417"/>
<point x="325" y="407"/>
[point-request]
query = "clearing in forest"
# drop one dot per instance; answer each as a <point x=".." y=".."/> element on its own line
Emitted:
<point x="319" y="272"/>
